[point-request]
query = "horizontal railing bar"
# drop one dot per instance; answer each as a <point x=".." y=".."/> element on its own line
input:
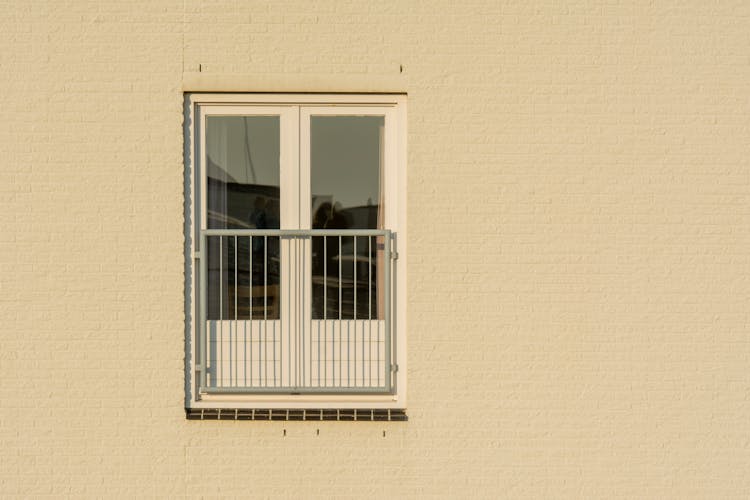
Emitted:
<point x="295" y="232"/>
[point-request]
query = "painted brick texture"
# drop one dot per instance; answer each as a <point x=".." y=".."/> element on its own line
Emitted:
<point x="579" y="225"/>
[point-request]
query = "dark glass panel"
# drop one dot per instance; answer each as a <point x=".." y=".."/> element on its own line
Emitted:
<point x="346" y="157"/>
<point x="242" y="156"/>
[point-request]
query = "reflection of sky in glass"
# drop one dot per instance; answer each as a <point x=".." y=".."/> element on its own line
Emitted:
<point x="243" y="171"/>
<point x="244" y="153"/>
<point x="345" y="159"/>
<point x="244" y="147"/>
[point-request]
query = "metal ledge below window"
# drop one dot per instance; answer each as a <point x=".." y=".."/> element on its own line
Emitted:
<point x="376" y="415"/>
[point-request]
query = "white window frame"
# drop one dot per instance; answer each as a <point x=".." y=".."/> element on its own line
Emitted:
<point x="295" y="146"/>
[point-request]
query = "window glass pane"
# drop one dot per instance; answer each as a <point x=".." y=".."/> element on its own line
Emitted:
<point x="242" y="169"/>
<point x="346" y="158"/>
<point x="242" y="155"/>
<point x="345" y="171"/>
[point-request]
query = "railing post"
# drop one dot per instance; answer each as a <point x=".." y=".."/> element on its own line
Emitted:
<point x="387" y="312"/>
<point x="202" y="308"/>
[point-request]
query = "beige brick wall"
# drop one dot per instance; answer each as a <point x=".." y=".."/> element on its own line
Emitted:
<point x="579" y="225"/>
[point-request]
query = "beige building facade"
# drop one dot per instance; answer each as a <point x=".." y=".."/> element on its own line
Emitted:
<point x="575" y="201"/>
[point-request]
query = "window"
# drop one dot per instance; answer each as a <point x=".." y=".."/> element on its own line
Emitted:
<point x="295" y="250"/>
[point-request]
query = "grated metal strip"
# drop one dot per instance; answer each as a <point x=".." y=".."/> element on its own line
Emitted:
<point x="346" y="415"/>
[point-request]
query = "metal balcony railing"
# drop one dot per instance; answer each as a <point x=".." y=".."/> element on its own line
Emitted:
<point x="295" y="311"/>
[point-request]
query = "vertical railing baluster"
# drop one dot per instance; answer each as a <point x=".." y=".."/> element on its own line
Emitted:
<point x="244" y="343"/>
<point x="250" y="258"/>
<point x="233" y="347"/>
<point x="325" y="308"/>
<point x="341" y="340"/>
<point x="273" y="333"/>
<point x="300" y="339"/>
<point x="220" y="349"/>
<point x="306" y="335"/>
<point x="354" y="315"/>
<point x="312" y="286"/>
<point x="369" y="311"/>
<point x="265" y="310"/>
<point x="289" y="318"/>
<point x="280" y="287"/>
<point x="377" y="323"/>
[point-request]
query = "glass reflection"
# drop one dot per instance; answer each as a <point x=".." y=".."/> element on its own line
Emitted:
<point x="242" y="172"/>
<point x="346" y="156"/>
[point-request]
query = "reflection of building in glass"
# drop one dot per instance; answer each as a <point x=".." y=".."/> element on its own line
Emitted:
<point x="345" y="271"/>
<point x="233" y="205"/>
<point x="235" y="290"/>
